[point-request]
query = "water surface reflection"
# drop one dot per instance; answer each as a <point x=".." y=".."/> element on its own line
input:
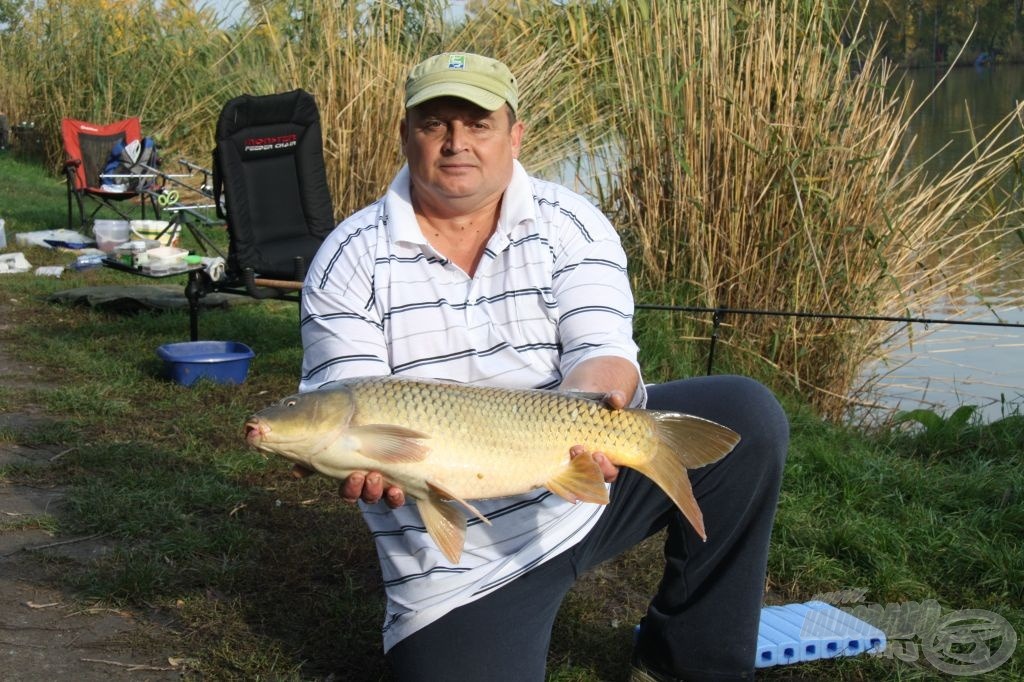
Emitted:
<point x="944" y="366"/>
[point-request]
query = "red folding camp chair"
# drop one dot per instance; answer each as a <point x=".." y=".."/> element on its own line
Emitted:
<point x="88" y="148"/>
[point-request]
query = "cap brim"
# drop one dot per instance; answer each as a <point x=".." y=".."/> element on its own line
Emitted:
<point x="478" y="96"/>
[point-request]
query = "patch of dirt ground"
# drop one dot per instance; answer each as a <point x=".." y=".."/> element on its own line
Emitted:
<point x="46" y="633"/>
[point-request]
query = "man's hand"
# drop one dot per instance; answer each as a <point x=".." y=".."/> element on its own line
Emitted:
<point x="609" y="470"/>
<point x="362" y="485"/>
<point x="369" y="487"/>
<point x="616" y="400"/>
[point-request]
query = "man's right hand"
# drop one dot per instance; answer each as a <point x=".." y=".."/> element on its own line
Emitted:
<point x="369" y="487"/>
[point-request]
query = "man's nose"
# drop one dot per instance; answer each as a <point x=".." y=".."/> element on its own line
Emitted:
<point x="455" y="141"/>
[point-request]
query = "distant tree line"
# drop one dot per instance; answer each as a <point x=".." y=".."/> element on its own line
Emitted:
<point x="925" y="32"/>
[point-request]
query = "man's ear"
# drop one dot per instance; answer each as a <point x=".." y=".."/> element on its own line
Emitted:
<point x="517" y="137"/>
<point x="403" y="134"/>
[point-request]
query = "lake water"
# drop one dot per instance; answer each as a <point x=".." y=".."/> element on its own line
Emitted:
<point x="952" y="365"/>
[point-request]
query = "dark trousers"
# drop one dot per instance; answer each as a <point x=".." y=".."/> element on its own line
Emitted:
<point x="702" y="623"/>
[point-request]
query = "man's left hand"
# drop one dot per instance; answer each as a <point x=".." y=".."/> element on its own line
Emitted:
<point x="609" y="470"/>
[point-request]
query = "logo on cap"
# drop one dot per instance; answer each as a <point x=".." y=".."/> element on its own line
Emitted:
<point x="457" y="61"/>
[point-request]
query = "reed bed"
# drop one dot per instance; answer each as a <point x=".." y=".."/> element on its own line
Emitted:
<point x="761" y="165"/>
<point x="358" y="76"/>
<point x="98" y="60"/>
<point x="752" y="154"/>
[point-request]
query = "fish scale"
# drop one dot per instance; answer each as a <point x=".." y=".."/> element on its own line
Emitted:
<point x="442" y="442"/>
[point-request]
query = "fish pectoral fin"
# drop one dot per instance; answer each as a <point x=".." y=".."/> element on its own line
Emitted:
<point x="580" y="481"/>
<point x="445" y="494"/>
<point x="445" y="524"/>
<point x="390" y="443"/>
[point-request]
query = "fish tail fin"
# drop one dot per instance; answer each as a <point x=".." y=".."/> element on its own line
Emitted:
<point x="685" y="442"/>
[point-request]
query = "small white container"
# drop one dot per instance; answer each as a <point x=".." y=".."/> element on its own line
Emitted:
<point x="166" y="258"/>
<point x="170" y="253"/>
<point x="135" y="253"/>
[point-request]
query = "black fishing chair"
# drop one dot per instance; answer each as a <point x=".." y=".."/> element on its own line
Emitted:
<point x="270" y="186"/>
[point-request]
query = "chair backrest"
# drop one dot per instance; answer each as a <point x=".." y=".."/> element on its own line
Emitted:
<point x="91" y="143"/>
<point x="269" y="165"/>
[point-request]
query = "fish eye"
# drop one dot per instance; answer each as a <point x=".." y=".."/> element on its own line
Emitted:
<point x="291" y="402"/>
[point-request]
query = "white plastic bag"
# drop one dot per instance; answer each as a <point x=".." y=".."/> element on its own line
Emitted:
<point x="14" y="262"/>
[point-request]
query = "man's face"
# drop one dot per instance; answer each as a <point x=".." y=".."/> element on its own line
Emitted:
<point x="460" y="156"/>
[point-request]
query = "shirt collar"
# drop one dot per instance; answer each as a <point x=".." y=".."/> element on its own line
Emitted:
<point x="401" y="218"/>
<point x="516" y="206"/>
<point x="517" y="203"/>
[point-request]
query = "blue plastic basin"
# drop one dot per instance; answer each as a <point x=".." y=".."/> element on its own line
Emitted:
<point x="223" y="362"/>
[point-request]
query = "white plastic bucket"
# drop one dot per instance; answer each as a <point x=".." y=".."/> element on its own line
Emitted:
<point x="110" y="234"/>
<point x="150" y="229"/>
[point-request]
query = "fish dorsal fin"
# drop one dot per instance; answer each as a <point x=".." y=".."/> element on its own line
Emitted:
<point x="445" y="494"/>
<point x="596" y="397"/>
<point x="445" y="524"/>
<point x="390" y="443"/>
<point x="580" y="480"/>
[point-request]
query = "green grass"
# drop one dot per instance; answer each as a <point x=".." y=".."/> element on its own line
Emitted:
<point x="266" y="577"/>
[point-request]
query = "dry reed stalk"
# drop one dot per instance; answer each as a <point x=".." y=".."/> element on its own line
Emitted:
<point x="102" y="63"/>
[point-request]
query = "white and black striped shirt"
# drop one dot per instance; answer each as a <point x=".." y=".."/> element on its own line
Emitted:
<point x="550" y="291"/>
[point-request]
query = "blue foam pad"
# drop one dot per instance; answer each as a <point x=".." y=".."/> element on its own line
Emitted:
<point x="795" y="633"/>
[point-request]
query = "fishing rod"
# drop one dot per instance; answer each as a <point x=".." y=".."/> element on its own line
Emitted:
<point x="720" y="312"/>
<point x="177" y="178"/>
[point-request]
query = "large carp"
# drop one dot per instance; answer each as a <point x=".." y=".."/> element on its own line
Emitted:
<point x="443" y="442"/>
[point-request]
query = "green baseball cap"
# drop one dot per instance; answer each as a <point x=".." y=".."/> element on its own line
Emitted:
<point x="483" y="81"/>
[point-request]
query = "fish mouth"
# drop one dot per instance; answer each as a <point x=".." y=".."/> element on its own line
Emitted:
<point x="260" y="435"/>
<point x="255" y="430"/>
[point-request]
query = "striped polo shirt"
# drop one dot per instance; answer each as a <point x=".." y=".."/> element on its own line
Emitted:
<point x="550" y="292"/>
